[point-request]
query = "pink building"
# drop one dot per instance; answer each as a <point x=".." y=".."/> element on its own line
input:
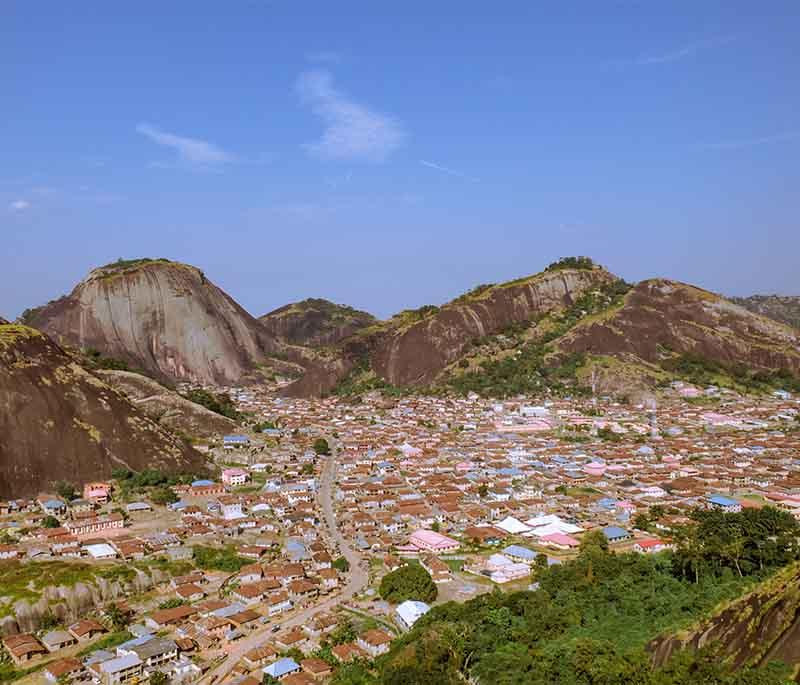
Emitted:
<point x="235" y="477"/>
<point x="560" y="541"/>
<point x="99" y="493"/>
<point x="434" y="542"/>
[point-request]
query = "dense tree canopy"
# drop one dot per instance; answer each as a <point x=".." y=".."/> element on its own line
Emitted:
<point x="408" y="582"/>
<point x="590" y="620"/>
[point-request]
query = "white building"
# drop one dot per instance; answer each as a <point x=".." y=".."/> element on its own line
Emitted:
<point x="409" y="612"/>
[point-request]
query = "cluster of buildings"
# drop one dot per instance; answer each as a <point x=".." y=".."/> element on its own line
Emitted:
<point x="479" y="493"/>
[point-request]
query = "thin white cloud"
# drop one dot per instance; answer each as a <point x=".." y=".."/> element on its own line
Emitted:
<point x="352" y="130"/>
<point x="447" y="170"/>
<point x="675" y="55"/>
<point x="189" y="150"/>
<point x="19" y="205"/>
<point x="751" y="142"/>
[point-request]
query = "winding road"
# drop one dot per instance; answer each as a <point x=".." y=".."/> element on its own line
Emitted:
<point x="357" y="578"/>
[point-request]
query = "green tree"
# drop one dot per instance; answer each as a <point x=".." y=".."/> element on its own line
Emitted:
<point x="321" y="446"/>
<point x="411" y="581"/>
<point x="50" y="522"/>
<point x="163" y="495"/>
<point x="158" y="678"/>
<point x="65" y="490"/>
<point x="341" y="564"/>
<point x="119" y="619"/>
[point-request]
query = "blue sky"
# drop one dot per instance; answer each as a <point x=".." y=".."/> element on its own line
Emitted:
<point x="389" y="155"/>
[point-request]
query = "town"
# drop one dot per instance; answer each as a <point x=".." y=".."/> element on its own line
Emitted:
<point x="327" y="528"/>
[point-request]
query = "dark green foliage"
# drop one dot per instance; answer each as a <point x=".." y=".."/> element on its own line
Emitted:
<point x="702" y="371"/>
<point x="746" y="542"/>
<point x="163" y="495"/>
<point x="608" y="435"/>
<point x="588" y="623"/>
<point x="219" y="403"/>
<point x="171" y="603"/>
<point x="408" y="582"/>
<point x="356" y="673"/>
<point x="533" y="368"/>
<point x="97" y="360"/>
<point x="123" y="264"/>
<point x="50" y="522"/>
<point x="360" y="380"/>
<point x="585" y="263"/>
<point x="218" y="559"/>
<point x="321" y="446"/>
<point x="343" y="632"/>
<point x="159" y="678"/>
<point x="341" y="564"/>
<point x="130" y="482"/>
<point x="65" y="490"/>
<point x="119" y="619"/>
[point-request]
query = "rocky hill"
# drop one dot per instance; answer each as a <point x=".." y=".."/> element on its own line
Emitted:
<point x="415" y="346"/>
<point x="662" y="320"/>
<point x="60" y="422"/>
<point x="558" y="330"/>
<point x="762" y="626"/>
<point x="782" y="308"/>
<point x="315" y="322"/>
<point x="162" y="317"/>
<point x="171" y="410"/>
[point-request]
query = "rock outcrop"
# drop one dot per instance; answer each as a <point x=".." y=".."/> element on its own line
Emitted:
<point x="61" y="422"/>
<point x="162" y="317"/>
<point x="171" y="410"/>
<point x="661" y="317"/>
<point x="762" y="626"/>
<point x="414" y="347"/>
<point x="416" y="353"/>
<point x="315" y="322"/>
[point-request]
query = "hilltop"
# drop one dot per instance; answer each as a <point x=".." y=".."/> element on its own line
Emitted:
<point x="162" y="317"/>
<point x="315" y="322"/>
<point x="415" y="346"/>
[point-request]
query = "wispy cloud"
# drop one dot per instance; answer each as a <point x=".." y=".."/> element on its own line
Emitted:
<point x="19" y="205"/>
<point x="676" y="54"/>
<point x="190" y="150"/>
<point x="447" y="170"/>
<point x="751" y="142"/>
<point x="352" y="130"/>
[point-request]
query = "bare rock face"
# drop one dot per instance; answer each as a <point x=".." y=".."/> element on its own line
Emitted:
<point x="60" y="422"/>
<point x="315" y="322"/>
<point x="162" y="317"/>
<point x="167" y="407"/>
<point x="417" y="353"/>
<point x="661" y="315"/>
<point x="414" y="347"/>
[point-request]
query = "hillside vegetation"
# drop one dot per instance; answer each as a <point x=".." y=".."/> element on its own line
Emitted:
<point x="590" y="620"/>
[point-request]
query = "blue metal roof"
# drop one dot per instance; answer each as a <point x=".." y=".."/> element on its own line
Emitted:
<point x="722" y="501"/>
<point x="614" y="532"/>
<point x="281" y="667"/>
<point x="519" y="551"/>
